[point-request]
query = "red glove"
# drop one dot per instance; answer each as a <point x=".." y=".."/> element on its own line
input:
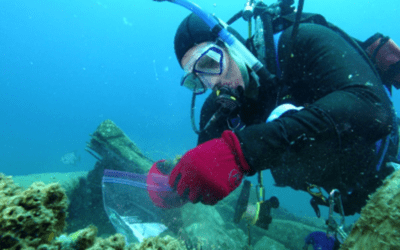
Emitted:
<point x="158" y="188"/>
<point x="210" y="171"/>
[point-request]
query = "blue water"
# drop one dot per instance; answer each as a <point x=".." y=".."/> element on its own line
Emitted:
<point x="66" y="66"/>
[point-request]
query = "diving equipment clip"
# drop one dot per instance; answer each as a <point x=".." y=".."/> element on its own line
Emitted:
<point x="333" y="226"/>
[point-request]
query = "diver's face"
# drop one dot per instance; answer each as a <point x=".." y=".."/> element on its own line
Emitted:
<point x="230" y="75"/>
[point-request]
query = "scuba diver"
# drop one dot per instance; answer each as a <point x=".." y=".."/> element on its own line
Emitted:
<point x="314" y="108"/>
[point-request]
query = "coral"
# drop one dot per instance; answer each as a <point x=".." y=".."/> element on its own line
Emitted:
<point x="379" y="223"/>
<point x="158" y="243"/>
<point x="86" y="239"/>
<point x="79" y="240"/>
<point x="35" y="218"/>
<point x="31" y="217"/>
<point x="116" y="241"/>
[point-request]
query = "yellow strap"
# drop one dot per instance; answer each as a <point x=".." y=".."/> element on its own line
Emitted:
<point x="255" y="218"/>
<point x="316" y="194"/>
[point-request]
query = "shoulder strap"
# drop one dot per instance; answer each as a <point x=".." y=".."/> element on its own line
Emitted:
<point x="272" y="26"/>
<point x="270" y="52"/>
<point x="286" y="21"/>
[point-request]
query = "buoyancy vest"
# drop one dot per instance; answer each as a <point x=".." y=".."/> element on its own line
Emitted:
<point x="382" y="54"/>
<point x="377" y="51"/>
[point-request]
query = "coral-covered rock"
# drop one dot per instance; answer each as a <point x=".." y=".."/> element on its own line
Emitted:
<point x="379" y="223"/>
<point x="116" y="241"/>
<point x="117" y="149"/>
<point x="85" y="238"/>
<point x="32" y="217"/>
<point x="158" y="243"/>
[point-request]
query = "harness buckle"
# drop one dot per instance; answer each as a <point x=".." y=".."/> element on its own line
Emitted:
<point x="333" y="226"/>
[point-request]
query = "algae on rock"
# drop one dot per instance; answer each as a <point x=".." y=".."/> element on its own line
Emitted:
<point x="115" y="147"/>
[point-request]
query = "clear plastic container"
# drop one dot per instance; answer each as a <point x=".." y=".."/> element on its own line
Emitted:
<point x="129" y="207"/>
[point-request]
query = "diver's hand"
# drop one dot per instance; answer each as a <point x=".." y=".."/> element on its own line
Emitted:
<point x="210" y="171"/>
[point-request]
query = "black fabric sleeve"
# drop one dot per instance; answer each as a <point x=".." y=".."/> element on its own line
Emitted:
<point x="346" y="110"/>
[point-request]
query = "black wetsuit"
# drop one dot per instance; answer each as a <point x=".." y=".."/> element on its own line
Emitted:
<point x="331" y="142"/>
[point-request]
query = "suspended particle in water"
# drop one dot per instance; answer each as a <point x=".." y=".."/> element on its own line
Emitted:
<point x="126" y="22"/>
<point x="155" y="70"/>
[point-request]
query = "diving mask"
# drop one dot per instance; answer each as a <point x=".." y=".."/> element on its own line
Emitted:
<point x="204" y="68"/>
